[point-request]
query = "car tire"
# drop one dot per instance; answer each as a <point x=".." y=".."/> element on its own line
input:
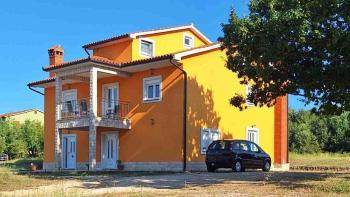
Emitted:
<point x="237" y="166"/>
<point x="210" y="168"/>
<point x="266" y="166"/>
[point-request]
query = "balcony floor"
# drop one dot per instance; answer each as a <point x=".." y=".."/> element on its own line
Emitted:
<point x="84" y="122"/>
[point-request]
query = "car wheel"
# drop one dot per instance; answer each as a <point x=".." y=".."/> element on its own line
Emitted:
<point x="266" y="166"/>
<point x="210" y="168"/>
<point x="237" y="166"/>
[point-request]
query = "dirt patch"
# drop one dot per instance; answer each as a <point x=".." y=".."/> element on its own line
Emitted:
<point x="194" y="184"/>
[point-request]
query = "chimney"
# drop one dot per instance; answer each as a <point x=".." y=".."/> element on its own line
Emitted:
<point x="55" y="56"/>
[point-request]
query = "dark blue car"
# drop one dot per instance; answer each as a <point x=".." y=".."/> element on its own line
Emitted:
<point x="236" y="154"/>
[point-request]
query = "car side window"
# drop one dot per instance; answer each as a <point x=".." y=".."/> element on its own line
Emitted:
<point x="234" y="146"/>
<point x="213" y="146"/>
<point x="221" y="145"/>
<point x="243" y="146"/>
<point x="253" y="147"/>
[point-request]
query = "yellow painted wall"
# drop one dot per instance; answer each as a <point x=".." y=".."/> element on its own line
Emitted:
<point x="30" y="115"/>
<point x="210" y="86"/>
<point x="165" y="43"/>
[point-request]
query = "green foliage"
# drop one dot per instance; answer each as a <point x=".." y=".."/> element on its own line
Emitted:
<point x="310" y="132"/>
<point x="21" y="140"/>
<point x="297" y="47"/>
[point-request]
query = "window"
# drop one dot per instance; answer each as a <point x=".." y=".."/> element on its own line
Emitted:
<point x="243" y="146"/>
<point x="207" y="137"/>
<point x="146" y="47"/>
<point x="253" y="147"/>
<point x="234" y="146"/>
<point x="69" y="103"/>
<point x="152" y="88"/>
<point x="110" y="100"/>
<point x="188" y="41"/>
<point x="249" y="91"/>
<point x="252" y="135"/>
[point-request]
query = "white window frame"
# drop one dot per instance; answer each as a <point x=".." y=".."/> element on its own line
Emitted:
<point x="64" y="93"/>
<point x="248" y="90"/>
<point x="152" y="81"/>
<point x="153" y="47"/>
<point x="192" y="41"/>
<point x="254" y="129"/>
<point x="210" y="130"/>
<point x="113" y="85"/>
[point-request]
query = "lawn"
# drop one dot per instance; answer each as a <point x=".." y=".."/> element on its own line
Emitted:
<point x="11" y="177"/>
<point x="320" y="159"/>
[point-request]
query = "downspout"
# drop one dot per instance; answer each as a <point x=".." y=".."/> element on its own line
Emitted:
<point x="87" y="52"/>
<point x="35" y="90"/>
<point x="184" y="139"/>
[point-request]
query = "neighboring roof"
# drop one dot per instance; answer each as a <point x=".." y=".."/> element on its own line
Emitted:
<point x="95" y="59"/>
<point x="148" y="32"/>
<point x="18" y="112"/>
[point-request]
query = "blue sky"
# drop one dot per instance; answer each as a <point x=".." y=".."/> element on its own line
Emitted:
<point x="29" y="28"/>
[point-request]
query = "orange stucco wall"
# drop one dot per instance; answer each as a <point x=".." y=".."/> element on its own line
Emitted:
<point x="281" y="130"/>
<point x="156" y="132"/>
<point x="129" y="50"/>
<point x="120" y="52"/>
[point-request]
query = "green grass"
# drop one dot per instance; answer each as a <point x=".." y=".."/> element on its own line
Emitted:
<point x="20" y="164"/>
<point x="320" y="159"/>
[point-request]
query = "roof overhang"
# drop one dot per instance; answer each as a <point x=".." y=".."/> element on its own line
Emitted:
<point x="129" y="36"/>
<point x="81" y="68"/>
<point x="194" y="51"/>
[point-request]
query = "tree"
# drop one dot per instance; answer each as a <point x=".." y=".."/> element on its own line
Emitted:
<point x="19" y="140"/>
<point x="297" y="47"/>
<point x="32" y="132"/>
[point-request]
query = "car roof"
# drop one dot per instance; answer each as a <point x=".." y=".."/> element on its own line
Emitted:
<point x="231" y="140"/>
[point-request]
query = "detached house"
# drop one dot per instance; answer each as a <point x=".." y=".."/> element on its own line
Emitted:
<point x="150" y="100"/>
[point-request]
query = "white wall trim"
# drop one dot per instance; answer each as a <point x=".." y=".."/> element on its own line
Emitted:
<point x="190" y="26"/>
<point x="180" y="55"/>
<point x="153" y="47"/>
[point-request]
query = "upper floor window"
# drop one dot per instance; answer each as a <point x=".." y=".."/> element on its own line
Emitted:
<point x="146" y="47"/>
<point x="248" y="92"/>
<point x="152" y="87"/>
<point x="188" y="41"/>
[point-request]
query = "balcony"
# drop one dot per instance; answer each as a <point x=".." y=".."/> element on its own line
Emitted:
<point x="75" y="114"/>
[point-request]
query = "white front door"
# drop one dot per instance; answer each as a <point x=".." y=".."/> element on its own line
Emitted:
<point x="69" y="151"/>
<point x="109" y="150"/>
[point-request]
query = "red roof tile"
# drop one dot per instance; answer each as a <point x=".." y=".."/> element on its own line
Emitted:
<point x="95" y="59"/>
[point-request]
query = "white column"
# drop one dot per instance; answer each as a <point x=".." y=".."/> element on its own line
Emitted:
<point x="58" y="101"/>
<point x="92" y="119"/>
